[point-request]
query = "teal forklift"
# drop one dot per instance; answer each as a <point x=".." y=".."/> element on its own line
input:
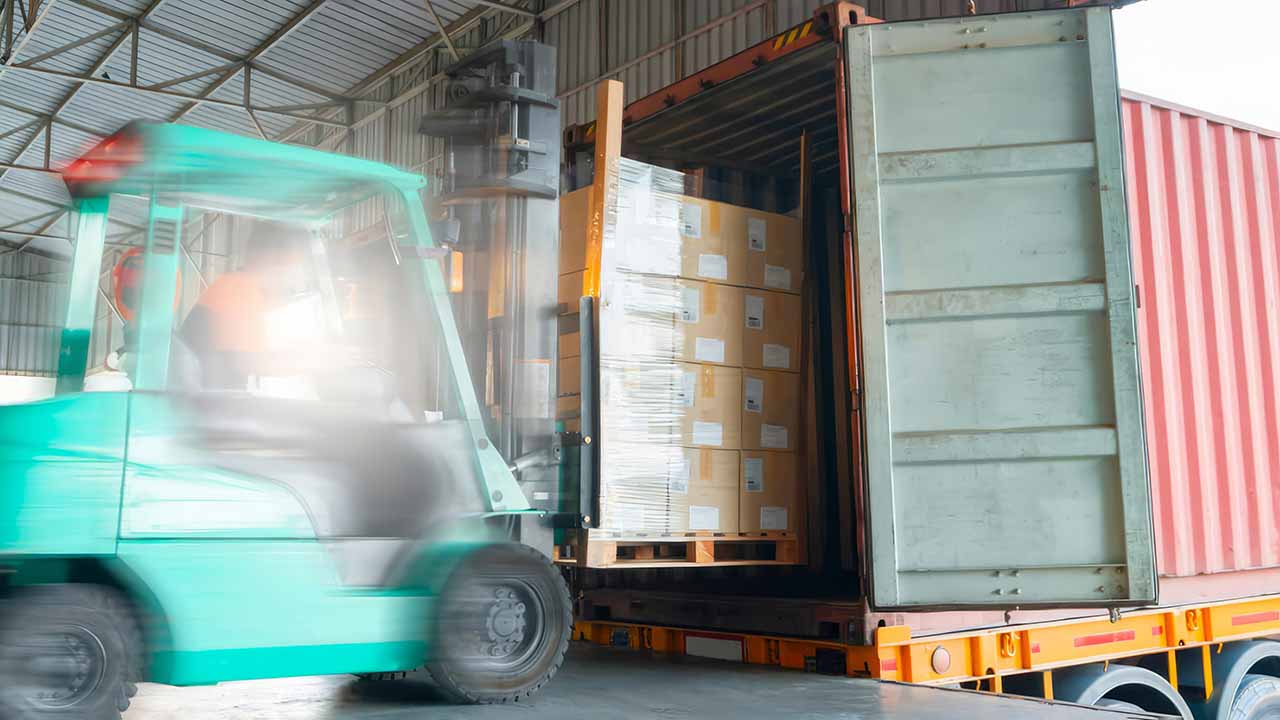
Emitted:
<point x="379" y="517"/>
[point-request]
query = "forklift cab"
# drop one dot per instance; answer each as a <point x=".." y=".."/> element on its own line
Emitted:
<point x="273" y="493"/>
<point x="336" y="326"/>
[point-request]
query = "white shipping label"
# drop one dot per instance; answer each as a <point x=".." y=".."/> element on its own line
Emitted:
<point x="691" y="220"/>
<point x="755" y="312"/>
<point x="757" y="234"/>
<point x="715" y="267"/>
<point x="776" y="276"/>
<point x="688" y="388"/>
<point x="753" y="475"/>
<point x="690" y="305"/>
<point x="773" y="517"/>
<point x="773" y="437"/>
<point x="753" y="394"/>
<point x="708" y="433"/>
<point x="704" y="517"/>
<point x="777" y="356"/>
<point x="678" y="482"/>
<point x="708" y="350"/>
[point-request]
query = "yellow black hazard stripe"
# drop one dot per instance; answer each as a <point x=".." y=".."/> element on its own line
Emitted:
<point x="792" y="35"/>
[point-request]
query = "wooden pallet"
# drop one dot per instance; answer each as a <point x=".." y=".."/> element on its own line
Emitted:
<point x="683" y="550"/>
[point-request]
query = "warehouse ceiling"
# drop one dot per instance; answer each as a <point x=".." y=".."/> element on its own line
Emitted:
<point x="74" y="71"/>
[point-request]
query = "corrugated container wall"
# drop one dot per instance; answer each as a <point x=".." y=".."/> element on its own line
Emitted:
<point x="1205" y="227"/>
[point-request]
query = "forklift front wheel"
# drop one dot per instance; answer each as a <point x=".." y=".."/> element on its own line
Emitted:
<point x="67" y="651"/>
<point x="504" y="624"/>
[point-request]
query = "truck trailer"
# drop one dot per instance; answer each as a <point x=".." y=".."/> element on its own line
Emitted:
<point x="1100" y="529"/>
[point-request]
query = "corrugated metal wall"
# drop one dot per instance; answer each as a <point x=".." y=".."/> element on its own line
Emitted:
<point x="1205" y="226"/>
<point x="32" y="305"/>
<point x="649" y="44"/>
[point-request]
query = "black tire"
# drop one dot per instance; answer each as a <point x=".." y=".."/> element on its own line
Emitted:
<point x="1258" y="698"/>
<point x="68" y="651"/>
<point x="503" y="626"/>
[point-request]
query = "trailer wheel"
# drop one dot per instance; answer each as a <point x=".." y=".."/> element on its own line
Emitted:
<point x="1119" y="687"/>
<point x="503" y="626"/>
<point x="1257" y="699"/>
<point x="1113" y="704"/>
<point x="68" y="651"/>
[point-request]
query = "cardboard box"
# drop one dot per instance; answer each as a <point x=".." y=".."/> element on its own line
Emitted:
<point x="771" y="330"/>
<point x="775" y="249"/>
<point x="707" y="251"/>
<point x="575" y="209"/>
<point x="719" y="242"/>
<point x="711" y="323"/>
<point x="770" y="410"/>
<point x="708" y="405"/>
<point x="704" y="491"/>
<point x="771" y="494"/>
<point x="569" y="290"/>
<point x="568" y="295"/>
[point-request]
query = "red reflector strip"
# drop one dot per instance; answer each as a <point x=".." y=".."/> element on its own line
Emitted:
<point x="1105" y="638"/>
<point x="890" y="665"/>
<point x="1035" y="647"/>
<point x="1157" y="630"/>
<point x="1258" y="617"/>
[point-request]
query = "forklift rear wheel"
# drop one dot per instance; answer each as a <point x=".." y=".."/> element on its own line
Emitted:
<point x="67" y="651"/>
<point x="504" y="624"/>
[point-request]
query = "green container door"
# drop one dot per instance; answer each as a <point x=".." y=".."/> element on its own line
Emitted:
<point x="1005" y="458"/>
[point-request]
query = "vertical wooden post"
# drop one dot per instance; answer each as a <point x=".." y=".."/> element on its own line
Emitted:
<point x="604" y="183"/>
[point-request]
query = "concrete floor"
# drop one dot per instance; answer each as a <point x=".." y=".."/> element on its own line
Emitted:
<point x="599" y="682"/>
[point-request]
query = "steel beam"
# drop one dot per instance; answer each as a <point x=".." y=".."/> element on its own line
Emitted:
<point x="20" y="128"/>
<point x="444" y="32"/>
<point x="386" y="72"/>
<point x="39" y="118"/>
<point x="406" y="96"/>
<point x="133" y="52"/>
<point x="7" y="20"/>
<point x="72" y="45"/>
<point x="6" y="167"/>
<point x="196" y="75"/>
<point x="308" y="106"/>
<point x="196" y="100"/>
<point x="35" y="235"/>
<point x="280" y="34"/>
<point x="100" y="63"/>
<point x="41" y="233"/>
<point x="198" y="44"/>
<point x="32" y="26"/>
<point x="506" y="8"/>
<point x="33" y="218"/>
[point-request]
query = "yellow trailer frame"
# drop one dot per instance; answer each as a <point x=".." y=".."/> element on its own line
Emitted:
<point x="986" y="656"/>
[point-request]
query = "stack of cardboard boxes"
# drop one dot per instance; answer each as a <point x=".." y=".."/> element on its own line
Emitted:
<point x="735" y="349"/>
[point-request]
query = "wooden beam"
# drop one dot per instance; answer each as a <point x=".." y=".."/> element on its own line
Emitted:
<point x="610" y="100"/>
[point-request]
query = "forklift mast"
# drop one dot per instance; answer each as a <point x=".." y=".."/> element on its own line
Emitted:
<point x="499" y="209"/>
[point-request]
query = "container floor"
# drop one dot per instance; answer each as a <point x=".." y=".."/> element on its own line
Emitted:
<point x="600" y="682"/>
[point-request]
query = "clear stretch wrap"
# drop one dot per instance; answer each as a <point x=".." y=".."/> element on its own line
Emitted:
<point x="642" y="385"/>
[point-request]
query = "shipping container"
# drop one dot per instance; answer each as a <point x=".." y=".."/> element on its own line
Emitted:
<point x="1045" y="344"/>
